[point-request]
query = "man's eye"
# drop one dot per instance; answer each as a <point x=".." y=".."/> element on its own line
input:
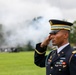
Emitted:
<point x="55" y="33"/>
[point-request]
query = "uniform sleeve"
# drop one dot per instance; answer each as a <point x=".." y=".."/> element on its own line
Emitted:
<point x="72" y="65"/>
<point x="39" y="55"/>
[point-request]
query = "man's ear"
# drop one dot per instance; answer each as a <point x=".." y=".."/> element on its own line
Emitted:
<point x="66" y="35"/>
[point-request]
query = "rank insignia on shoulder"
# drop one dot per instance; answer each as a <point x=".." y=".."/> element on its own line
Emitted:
<point x="74" y="52"/>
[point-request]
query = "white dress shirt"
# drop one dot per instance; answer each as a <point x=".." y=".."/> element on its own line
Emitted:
<point x="60" y="48"/>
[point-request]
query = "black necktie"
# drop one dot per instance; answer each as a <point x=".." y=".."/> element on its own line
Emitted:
<point x="54" y="55"/>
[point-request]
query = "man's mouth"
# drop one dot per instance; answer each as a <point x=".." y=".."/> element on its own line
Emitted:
<point x="53" y="40"/>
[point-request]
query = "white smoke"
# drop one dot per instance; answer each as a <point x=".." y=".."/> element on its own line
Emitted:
<point x="25" y="20"/>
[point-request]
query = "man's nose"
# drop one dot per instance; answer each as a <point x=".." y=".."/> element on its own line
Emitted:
<point x="52" y="36"/>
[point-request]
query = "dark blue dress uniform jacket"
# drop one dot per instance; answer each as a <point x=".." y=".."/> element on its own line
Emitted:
<point x="63" y="63"/>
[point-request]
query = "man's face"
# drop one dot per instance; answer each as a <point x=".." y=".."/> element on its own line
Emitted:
<point x="58" y="39"/>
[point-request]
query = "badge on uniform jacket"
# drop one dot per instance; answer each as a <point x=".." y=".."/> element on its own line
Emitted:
<point x="62" y="58"/>
<point x="61" y="62"/>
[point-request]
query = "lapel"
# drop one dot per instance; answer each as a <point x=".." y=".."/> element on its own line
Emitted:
<point x="61" y="53"/>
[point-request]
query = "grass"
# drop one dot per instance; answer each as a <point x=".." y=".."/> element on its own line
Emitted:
<point x="21" y="63"/>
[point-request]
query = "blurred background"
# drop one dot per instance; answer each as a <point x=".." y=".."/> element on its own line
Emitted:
<point x="23" y="23"/>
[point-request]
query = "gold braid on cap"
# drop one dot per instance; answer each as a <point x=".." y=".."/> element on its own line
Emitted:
<point x="66" y="27"/>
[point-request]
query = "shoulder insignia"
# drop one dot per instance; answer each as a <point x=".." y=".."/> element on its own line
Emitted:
<point x="54" y="48"/>
<point x="74" y="52"/>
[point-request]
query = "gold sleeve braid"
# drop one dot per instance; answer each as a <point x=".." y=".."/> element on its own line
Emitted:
<point x="39" y="52"/>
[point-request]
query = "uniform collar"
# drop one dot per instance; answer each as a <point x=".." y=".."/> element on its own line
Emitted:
<point x="62" y="52"/>
<point x="61" y="48"/>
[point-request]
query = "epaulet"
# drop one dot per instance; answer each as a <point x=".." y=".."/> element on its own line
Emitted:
<point x="74" y="52"/>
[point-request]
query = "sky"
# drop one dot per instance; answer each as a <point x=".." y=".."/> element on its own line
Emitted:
<point x="67" y="7"/>
<point x="18" y="24"/>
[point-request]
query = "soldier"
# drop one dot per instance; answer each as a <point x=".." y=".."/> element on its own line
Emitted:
<point x="61" y="61"/>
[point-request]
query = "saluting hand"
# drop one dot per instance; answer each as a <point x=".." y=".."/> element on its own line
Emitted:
<point x="46" y="41"/>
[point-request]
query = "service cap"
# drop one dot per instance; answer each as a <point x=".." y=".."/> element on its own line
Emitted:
<point x="57" y="25"/>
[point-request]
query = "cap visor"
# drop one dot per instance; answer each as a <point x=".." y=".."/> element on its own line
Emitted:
<point x="54" y="31"/>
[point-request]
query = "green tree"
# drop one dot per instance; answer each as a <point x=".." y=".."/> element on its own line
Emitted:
<point x="1" y="35"/>
<point x="72" y="38"/>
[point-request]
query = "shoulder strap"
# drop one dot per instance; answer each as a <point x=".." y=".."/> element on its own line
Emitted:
<point x="73" y="52"/>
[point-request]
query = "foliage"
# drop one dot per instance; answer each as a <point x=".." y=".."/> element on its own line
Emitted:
<point x="72" y="37"/>
<point x="27" y="47"/>
<point x="1" y="35"/>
